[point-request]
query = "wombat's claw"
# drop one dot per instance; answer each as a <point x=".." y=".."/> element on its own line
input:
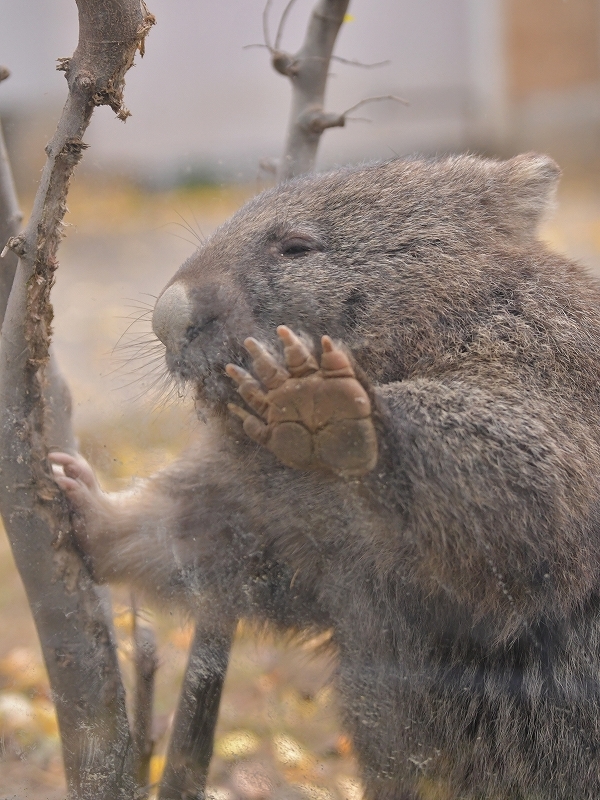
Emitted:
<point x="298" y="358"/>
<point x="75" y="477"/>
<point x="315" y="417"/>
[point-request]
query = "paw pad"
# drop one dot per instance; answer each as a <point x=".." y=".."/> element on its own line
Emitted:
<point x="310" y="416"/>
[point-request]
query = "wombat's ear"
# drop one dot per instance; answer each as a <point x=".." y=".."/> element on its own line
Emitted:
<point x="531" y="180"/>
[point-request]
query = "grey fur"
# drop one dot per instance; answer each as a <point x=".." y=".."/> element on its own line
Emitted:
<point x="461" y="577"/>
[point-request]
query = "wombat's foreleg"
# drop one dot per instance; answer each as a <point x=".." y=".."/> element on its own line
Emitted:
<point x="124" y="535"/>
<point x="313" y="417"/>
<point x="96" y="516"/>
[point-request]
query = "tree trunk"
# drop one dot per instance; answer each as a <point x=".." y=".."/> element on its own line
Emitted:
<point x="74" y="632"/>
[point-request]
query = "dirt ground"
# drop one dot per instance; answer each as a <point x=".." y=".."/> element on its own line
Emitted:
<point x="278" y="732"/>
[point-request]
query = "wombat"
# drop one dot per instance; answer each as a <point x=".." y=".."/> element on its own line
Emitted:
<point x="417" y="469"/>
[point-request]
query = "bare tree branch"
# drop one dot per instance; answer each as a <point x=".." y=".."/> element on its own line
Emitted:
<point x="191" y="745"/>
<point x="318" y="121"/>
<point x="308" y="73"/>
<point x="282" y="21"/>
<point x="56" y="392"/>
<point x="265" y="24"/>
<point x="352" y="62"/>
<point x="376" y="99"/>
<point x="74" y="633"/>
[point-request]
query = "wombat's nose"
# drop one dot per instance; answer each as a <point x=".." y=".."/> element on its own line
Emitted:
<point x="172" y="315"/>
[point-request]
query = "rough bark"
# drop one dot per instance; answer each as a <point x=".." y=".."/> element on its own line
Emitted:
<point x="58" y="398"/>
<point x="308" y="70"/>
<point x="74" y="632"/>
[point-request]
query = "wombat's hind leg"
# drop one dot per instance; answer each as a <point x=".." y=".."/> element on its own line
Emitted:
<point x="310" y="416"/>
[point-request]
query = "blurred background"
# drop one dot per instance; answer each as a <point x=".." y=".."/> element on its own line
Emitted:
<point x="495" y="77"/>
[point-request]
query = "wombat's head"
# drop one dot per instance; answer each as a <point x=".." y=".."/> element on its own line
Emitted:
<point x="372" y="256"/>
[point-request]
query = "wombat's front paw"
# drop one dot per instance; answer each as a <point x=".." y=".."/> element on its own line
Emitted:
<point x="77" y="480"/>
<point x="314" y="417"/>
<point x="91" y="505"/>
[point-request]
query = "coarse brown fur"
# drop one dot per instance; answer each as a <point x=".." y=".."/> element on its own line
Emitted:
<point x="461" y="576"/>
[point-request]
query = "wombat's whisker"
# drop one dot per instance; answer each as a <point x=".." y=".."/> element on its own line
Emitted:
<point x="126" y="332"/>
<point x="183" y="239"/>
<point x="138" y="352"/>
<point x="155" y="386"/>
<point x="144" y="368"/>
<point x="147" y="340"/>
<point x="139" y="347"/>
<point x="143" y="302"/>
<point x="134" y="302"/>
<point x="134" y="356"/>
<point x="186" y="226"/>
<point x="139" y="356"/>
<point x="139" y="314"/>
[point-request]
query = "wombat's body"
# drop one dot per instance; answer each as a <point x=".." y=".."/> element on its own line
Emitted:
<point x="461" y="574"/>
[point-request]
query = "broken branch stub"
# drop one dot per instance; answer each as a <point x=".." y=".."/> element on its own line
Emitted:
<point x="74" y="632"/>
<point x="317" y="120"/>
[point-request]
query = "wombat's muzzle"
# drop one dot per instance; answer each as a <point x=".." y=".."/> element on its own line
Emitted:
<point x="173" y="316"/>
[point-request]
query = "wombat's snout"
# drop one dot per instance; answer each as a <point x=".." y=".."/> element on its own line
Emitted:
<point x="172" y="316"/>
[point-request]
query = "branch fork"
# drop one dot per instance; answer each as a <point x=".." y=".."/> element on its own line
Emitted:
<point x="308" y="71"/>
<point x="284" y="63"/>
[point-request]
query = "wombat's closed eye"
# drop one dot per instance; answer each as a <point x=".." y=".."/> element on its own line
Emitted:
<point x="296" y="246"/>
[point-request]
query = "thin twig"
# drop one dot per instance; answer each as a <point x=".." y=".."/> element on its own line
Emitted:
<point x="354" y="63"/>
<point x="282" y="22"/>
<point x="315" y="120"/>
<point x="265" y="22"/>
<point x="268" y="165"/>
<point x="349" y="61"/>
<point x="10" y="222"/>
<point x="376" y="99"/>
